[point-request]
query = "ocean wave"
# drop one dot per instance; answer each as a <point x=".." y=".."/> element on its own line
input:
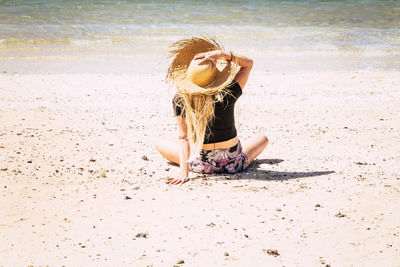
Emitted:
<point x="21" y="42"/>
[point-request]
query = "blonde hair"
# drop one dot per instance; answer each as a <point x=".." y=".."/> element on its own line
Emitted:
<point x="198" y="111"/>
<point x="197" y="102"/>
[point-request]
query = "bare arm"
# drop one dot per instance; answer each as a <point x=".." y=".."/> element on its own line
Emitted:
<point x="245" y="63"/>
<point x="184" y="153"/>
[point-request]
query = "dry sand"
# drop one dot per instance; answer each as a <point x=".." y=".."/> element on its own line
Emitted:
<point x="82" y="185"/>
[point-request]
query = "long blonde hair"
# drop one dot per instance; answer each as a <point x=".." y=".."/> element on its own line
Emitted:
<point x="198" y="111"/>
<point x="198" y="103"/>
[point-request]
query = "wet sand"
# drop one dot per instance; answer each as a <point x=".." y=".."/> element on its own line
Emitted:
<point x="82" y="185"/>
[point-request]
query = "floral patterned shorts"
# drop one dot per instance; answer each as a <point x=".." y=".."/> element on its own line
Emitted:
<point x="229" y="160"/>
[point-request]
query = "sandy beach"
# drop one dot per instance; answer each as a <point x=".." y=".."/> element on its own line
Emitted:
<point x="83" y="100"/>
<point x="82" y="185"/>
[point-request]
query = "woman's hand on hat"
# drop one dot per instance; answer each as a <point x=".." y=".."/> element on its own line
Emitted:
<point x="178" y="180"/>
<point x="213" y="56"/>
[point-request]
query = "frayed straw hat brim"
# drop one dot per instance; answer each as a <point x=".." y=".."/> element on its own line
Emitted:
<point x="182" y="53"/>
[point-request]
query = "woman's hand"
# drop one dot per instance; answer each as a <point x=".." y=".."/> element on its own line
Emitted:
<point x="179" y="180"/>
<point x="213" y="56"/>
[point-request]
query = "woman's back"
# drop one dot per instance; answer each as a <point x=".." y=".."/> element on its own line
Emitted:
<point x="222" y="127"/>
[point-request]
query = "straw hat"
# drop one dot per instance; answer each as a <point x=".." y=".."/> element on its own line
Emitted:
<point x="187" y="74"/>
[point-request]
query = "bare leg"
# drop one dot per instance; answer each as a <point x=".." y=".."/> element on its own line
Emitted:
<point x="169" y="149"/>
<point x="255" y="146"/>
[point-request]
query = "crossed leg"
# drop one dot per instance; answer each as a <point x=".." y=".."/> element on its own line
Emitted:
<point x="254" y="146"/>
<point x="169" y="149"/>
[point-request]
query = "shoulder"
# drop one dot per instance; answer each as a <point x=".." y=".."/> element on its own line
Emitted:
<point x="177" y="105"/>
<point x="176" y="100"/>
<point x="234" y="88"/>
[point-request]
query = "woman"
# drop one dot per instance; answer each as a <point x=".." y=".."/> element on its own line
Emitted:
<point x="209" y="80"/>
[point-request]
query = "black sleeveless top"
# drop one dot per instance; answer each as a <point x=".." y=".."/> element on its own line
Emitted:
<point x="222" y="128"/>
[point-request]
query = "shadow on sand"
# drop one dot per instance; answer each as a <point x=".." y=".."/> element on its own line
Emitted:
<point x="256" y="172"/>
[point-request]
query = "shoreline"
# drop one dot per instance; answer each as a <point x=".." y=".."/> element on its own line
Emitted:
<point x="133" y="58"/>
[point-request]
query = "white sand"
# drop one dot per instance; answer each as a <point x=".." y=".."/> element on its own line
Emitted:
<point x="325" y="192"/>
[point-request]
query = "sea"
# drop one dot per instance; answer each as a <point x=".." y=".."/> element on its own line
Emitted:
<point x="287" y="35"/>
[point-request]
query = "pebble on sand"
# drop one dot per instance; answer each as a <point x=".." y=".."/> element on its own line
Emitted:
<point x="141" y="235"/>
<point x="340" y="215"/>
<point x="360" y="163"/>
<point x="273" y="252"/>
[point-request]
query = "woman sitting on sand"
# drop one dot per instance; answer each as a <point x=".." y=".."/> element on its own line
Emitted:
<point x="209" y="80"/>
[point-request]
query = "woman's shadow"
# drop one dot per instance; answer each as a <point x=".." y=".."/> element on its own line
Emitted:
<point x="257" y="171"/>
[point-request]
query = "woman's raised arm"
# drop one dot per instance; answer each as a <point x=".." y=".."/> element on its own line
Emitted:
<point x="243" y="62"/>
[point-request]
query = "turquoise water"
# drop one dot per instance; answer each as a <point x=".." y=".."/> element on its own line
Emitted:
<point x="338" y="22"/>
<point x="266" y="27"/>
